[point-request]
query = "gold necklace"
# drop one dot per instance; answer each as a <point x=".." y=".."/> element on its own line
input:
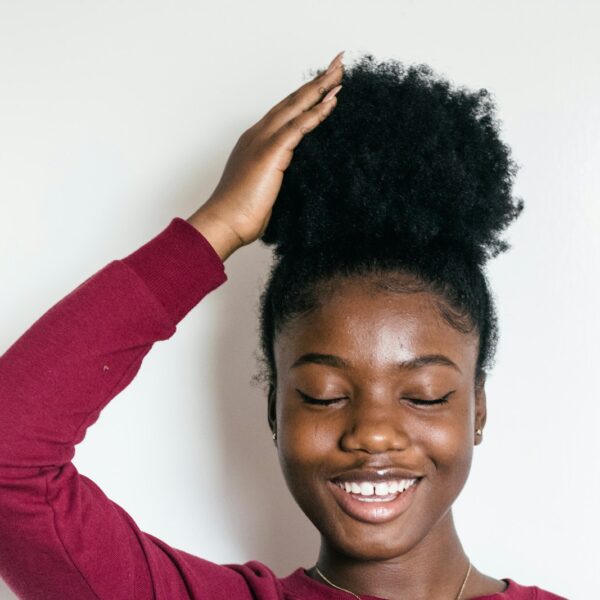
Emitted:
<point x="462" y="587"/>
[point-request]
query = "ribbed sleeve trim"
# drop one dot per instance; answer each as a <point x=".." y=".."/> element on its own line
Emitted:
<point x="179" y="266"/>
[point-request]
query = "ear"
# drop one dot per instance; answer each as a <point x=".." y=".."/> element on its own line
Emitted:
<point x="480" y="407"/>
<point x="271" y="409"/>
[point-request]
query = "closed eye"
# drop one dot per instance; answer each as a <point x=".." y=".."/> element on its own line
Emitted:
<point x="318" y="401"/>
<point x="420" y="402"/>
<point x="327" y="401"/>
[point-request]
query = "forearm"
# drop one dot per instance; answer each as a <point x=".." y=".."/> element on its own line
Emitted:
<point x="82" y="352"/>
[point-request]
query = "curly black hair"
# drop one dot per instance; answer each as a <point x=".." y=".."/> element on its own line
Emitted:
<point x="407" y="176"/>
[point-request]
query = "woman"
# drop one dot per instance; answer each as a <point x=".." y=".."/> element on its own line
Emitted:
<point x="377" y="329"/>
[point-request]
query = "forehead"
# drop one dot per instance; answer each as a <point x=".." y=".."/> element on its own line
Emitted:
<point x="370" y="325"/>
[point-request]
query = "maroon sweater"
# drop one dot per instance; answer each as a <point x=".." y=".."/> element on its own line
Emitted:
<point x="61" y="538"/>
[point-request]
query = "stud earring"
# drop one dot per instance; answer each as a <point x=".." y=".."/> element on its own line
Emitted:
<point x="274" y="436"/>
<point x="478" y="432"/>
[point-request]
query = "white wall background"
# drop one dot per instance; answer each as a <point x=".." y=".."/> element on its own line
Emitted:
<point x="117" y="116"/>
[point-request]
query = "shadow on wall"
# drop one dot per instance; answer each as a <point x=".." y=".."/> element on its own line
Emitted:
<point x="264" y="517"/>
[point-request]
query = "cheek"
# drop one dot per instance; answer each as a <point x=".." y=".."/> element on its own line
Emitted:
<point x="447" y="438"/>
<point x="306" y="437"/>
<point x="450" y="449"/>
<point x="308" y="448"/>
<point x="306" y="444"/>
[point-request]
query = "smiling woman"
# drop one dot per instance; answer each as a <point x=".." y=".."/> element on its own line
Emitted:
<point x="377" y="331"/>
<point x="378" y="326"/>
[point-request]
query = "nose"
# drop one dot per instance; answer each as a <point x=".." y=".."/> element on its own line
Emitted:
<point x="374" y="429"/>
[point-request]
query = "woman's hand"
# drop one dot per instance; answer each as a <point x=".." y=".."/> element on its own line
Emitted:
<point x="238" y="210"/>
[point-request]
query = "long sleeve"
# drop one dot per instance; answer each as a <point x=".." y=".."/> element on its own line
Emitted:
<point x="60" y="536"/>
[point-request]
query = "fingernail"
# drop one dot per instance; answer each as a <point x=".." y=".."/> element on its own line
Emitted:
<point x="332" y="93"/>
<point x="334" y="62"/>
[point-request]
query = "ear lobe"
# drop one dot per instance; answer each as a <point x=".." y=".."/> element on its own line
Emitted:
<point x="271" y="409"/>
<point x="480" y="407"/>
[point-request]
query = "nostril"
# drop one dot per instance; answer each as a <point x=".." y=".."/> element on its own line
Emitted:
<point x="374" y="438"/>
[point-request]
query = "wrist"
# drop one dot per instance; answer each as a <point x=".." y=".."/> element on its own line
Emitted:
<point x="218" y="234"/>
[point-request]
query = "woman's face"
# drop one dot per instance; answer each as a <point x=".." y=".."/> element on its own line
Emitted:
<point x="373" y="354"/>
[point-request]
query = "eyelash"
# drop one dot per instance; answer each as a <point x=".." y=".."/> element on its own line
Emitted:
<point x="328" y="401"/>
<point x="442" y="400"/>
<point x="318" y="401"/>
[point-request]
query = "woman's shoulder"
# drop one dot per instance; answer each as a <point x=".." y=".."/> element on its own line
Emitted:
<point x="517" y="591"/>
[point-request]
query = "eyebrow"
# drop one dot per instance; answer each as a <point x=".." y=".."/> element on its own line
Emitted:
<point x="339" y="363"/>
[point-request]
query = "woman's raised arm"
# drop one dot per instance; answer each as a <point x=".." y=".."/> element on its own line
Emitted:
<point x="61" y="537"/>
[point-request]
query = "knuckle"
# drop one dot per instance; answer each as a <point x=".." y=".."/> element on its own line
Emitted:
<point x="248" y="133"/>
<point x="268" y="115"/>
<point x="292" y="125"/>
<point x="244" y="139"/>
<point x="251" y="136"/>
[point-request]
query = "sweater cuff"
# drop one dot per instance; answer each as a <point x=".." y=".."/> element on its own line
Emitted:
<point x="179" y="266"/>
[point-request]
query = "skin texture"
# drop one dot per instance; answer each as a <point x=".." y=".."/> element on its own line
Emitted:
<point x="375" y="424"/>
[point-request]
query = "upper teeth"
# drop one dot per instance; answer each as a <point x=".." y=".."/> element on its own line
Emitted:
<point x="381" y="488"/>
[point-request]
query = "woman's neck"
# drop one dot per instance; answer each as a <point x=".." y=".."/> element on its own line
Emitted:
<point x="434" y="568"/>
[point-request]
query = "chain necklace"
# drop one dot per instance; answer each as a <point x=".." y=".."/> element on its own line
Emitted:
<point x="462" y="587"/>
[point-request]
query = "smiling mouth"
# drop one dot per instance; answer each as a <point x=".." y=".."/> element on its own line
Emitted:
<point x="374" y="502"/>
<point x="383" y="491"/>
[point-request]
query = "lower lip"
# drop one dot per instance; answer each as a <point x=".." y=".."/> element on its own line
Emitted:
<point x="373" y="512"/>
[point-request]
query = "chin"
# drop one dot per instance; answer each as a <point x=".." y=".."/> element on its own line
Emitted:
<point x="371" y="543"/>
<point x="368" y="550"/>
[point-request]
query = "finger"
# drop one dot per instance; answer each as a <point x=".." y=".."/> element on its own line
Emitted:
<point x="310" y="93"/>
<point x="303" y="99"/>
<point x="290" y="134"/>
<point x="333" y="66"/>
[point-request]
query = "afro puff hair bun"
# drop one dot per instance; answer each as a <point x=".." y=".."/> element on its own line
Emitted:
<point x="405" y="160"/>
